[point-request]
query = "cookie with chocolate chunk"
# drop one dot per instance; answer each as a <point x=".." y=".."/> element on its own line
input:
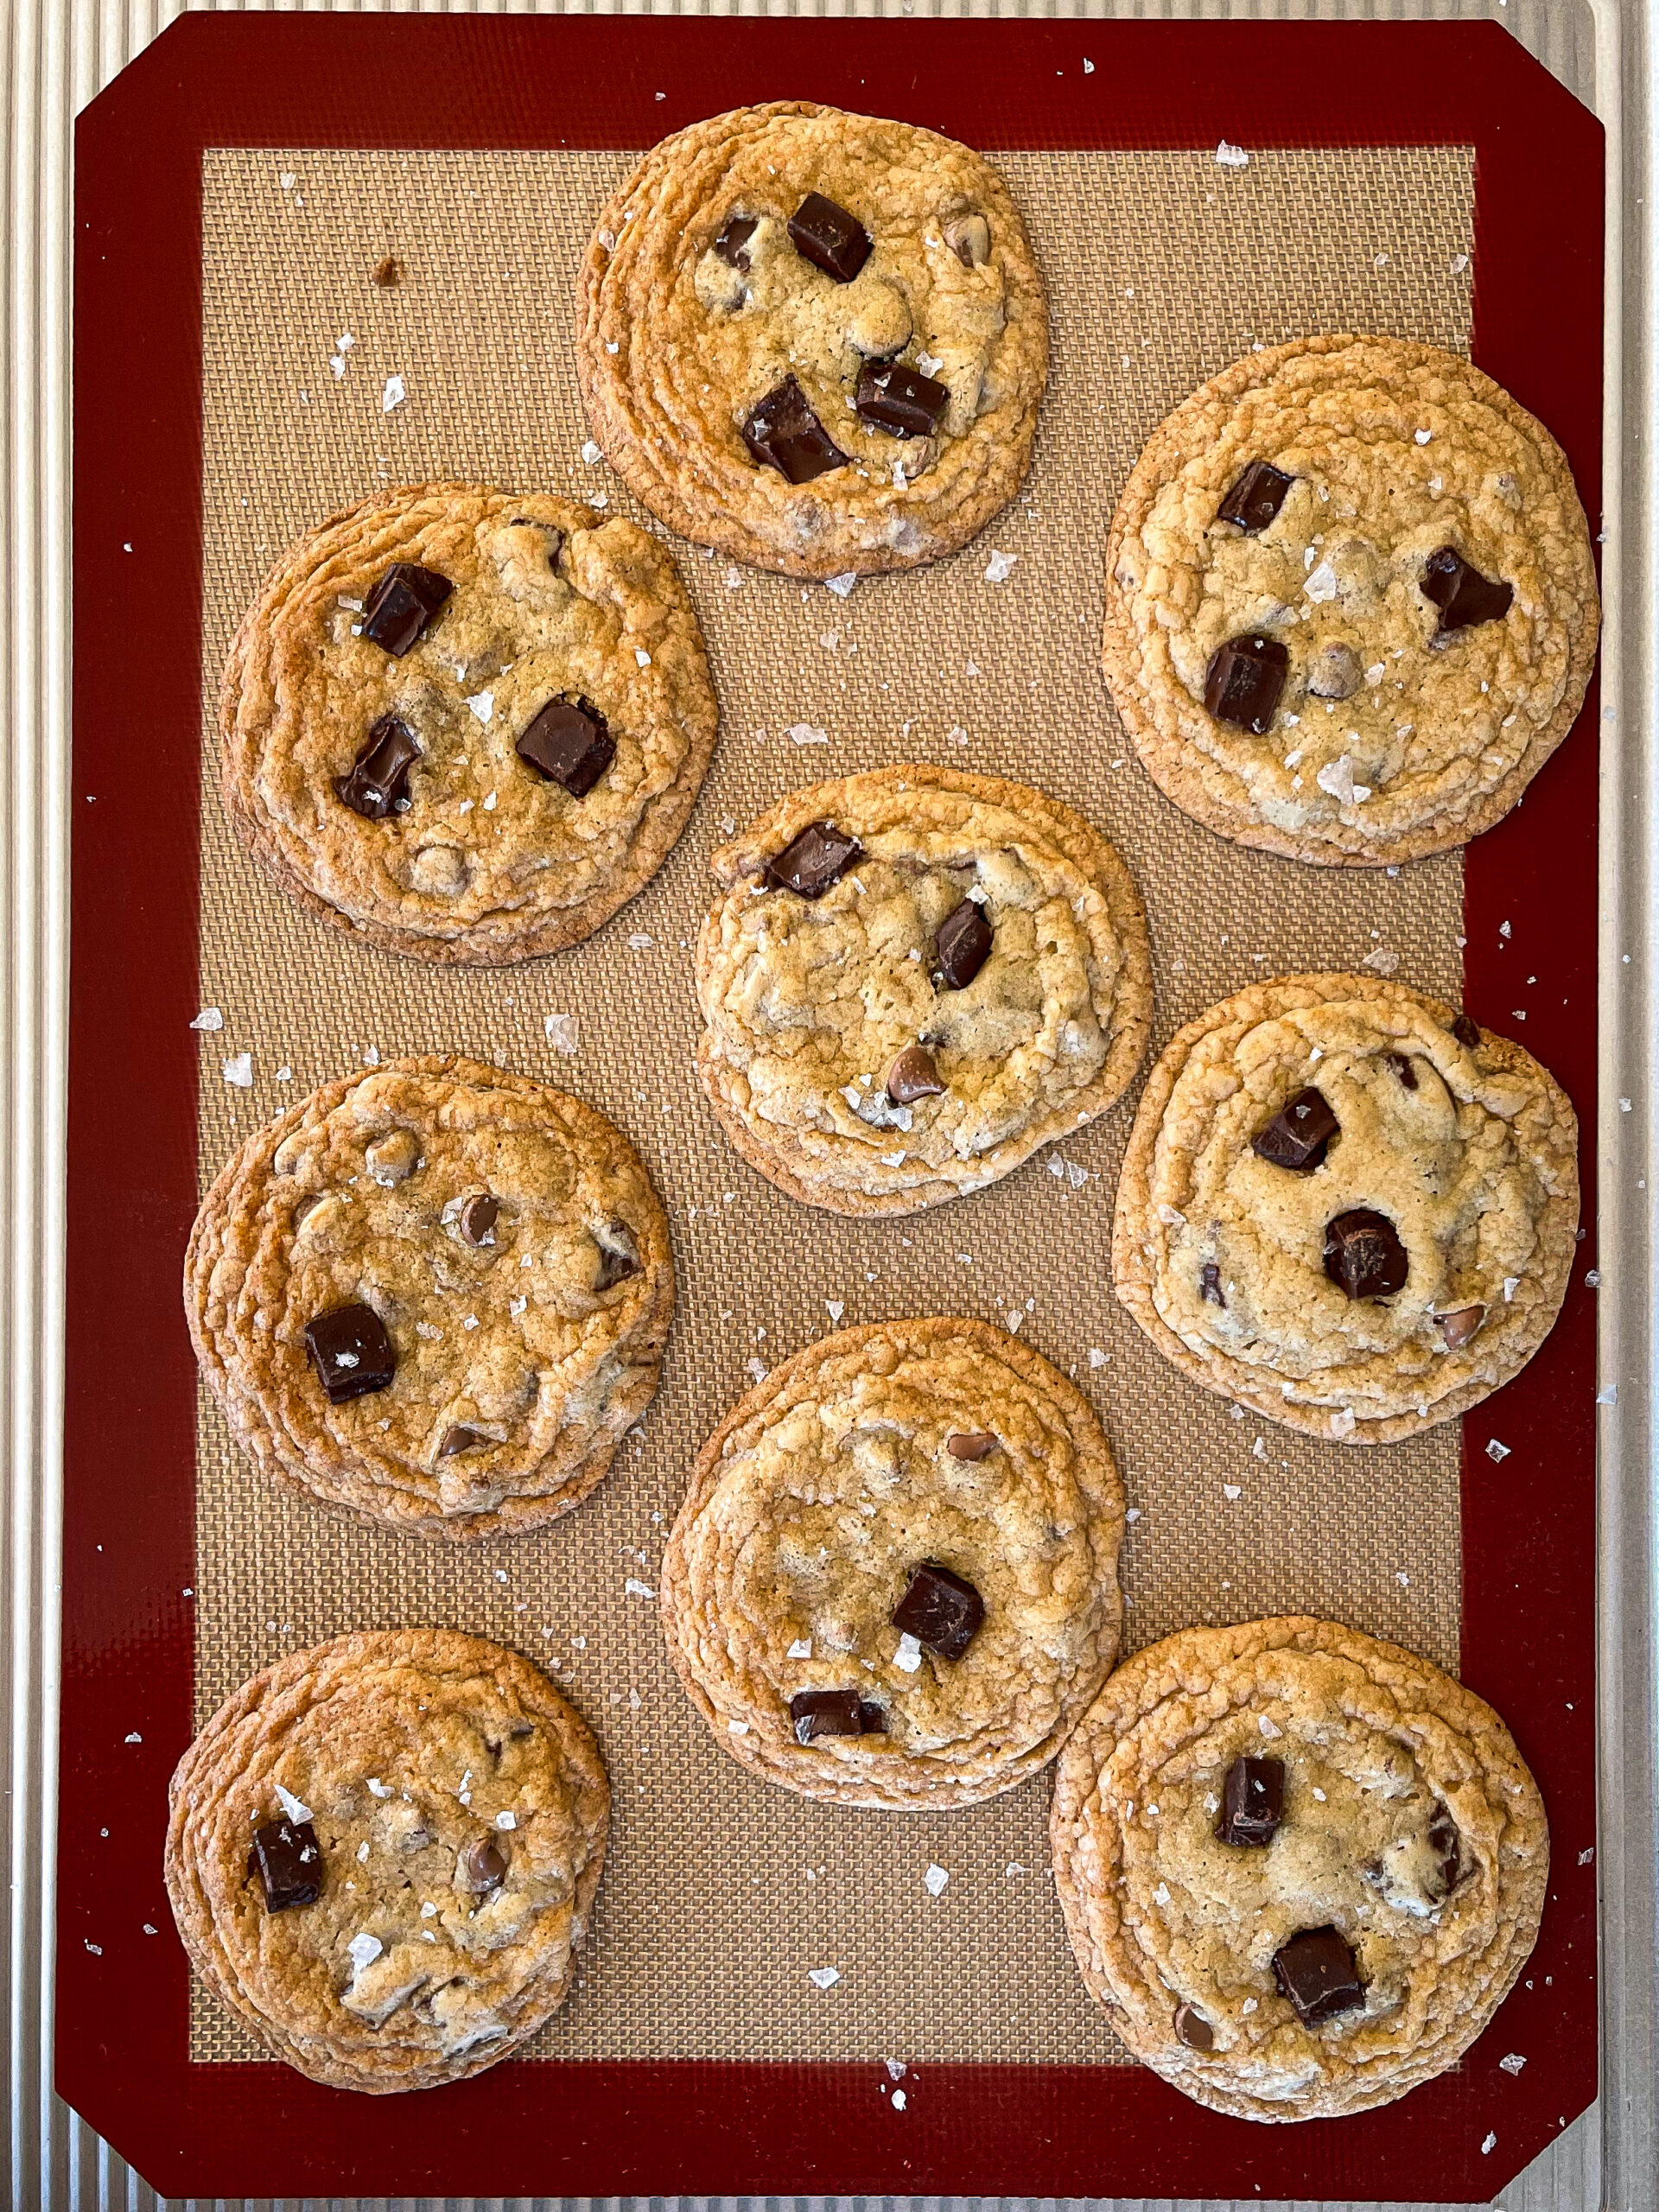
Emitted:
<point x="433" y="1295"/>
<point x="815" y="340"/>
<point x="382" y="1856"/>
<point x="1300" y="1868"/>
<point x="1346" y="1206"/>
<point x="913" y="979"/>
<point x="1350" y="601"/>
<point x="893" y="1580"/>
<point x="466" y="724"/>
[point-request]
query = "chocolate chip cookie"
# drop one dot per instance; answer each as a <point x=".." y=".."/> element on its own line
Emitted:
<point x="1300" y="1868"/>
<point x="1346" y="1206"/>
<point x="382" y="1855"/>
<point x="893" y="1580"/>
<point x="433" y="1295"/>
<point x="911" y="980"/>
<point x="816" y="341"/>
<point x="466" y="724"/>
<point x="1350" y="601"/>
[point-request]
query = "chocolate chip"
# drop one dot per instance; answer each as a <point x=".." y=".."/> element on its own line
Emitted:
<point x="733" y="243"/>
<point x="389" y="271"/>
<point x="1256" y="498"/>
<point x="1363" y="1254"/>
<point x="940" y="1610"/>
<point x="378" y="783"/>
<point x="1194" y="2031"/>
<point x="399" y="609"/>
<point x="1317" y="1971"/>
<point x="1403" y="1068"/>
<point x="1464" y="596"/>
<point x="1466" y="1032"/>
<point x="1252" y="1802"/>
<point x="1447" y="1844"/>
<point x="483" y="1865"/>
<point x="826" y="1713"/>
<point x="818" y="856"/>
<point x="872" y="1718"/>
<point x="831" y="239"/>
<point x="970" y="1444"/>
<point x="968" y="238"/>
<point x="569" y="744"/>
<point x="460" y="1437"/>
<point x="1243" y="680"/>
<point x="1297" y="1135"/>
<point x="479" y="1216"/>
<point x="901" y="400"/>
<point x="619" y="1255"/>
<point x="963" y="944"/>
<point x="1458" y="1328"/>
<point x="350" y="1351"/>
<point x="1210" y="1284"/>
<point x="783" y="433"/>
<point x="913" y="1075"/>
<point x="289" y="1862"/>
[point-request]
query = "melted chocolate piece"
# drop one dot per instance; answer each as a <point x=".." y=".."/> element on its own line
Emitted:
<point x="820" y="856"/>
<point x="970" y="1444"/>
<point x="350" y="1351"/>
<point x="460" y="1437"/>
<point x="1466" y="1032"/>
<point x="733" y="243"/>
<point x="913" y="1075"/>
<point x="1447" y="1844"/>
<point x="872" y="1718"/>
<point x="831" y="239"/>
<point x="827" y="1712"/>
<point x="963" y="944"/>
<point x="289" y="1862"/>
<point x="1194" y="2031"/>
<point x="478" y="1219"/>
<point x="1458" y="1328"/>
<point x="618" y="1255"/>
<point x="1243" y="681"/>
<point x="1252" y="1802"/>
<point x="941" y="1610"/>
<point x="1464" y="596"/>
<point x="398" y="611"/>
<point x="1210" y="1284"/>
<point x="1363" y="1255"/>
<point x="378" y="783"/>
<point x="569" y="744"/>
<point x="1317" y="1971"/>
<point x="1256" y="498"/>
<point x="1297" y="1135"/>
<point x="1403" y="1067"/>
<point x="901" y="400"/>
<point x="783" y="433"/>
<point x="483" y="1865"/>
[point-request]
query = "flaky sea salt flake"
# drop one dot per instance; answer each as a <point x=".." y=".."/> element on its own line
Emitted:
<point x="1231" y="157"/>
<point x="393" y="396"/>
<point x="934" y="1880"/>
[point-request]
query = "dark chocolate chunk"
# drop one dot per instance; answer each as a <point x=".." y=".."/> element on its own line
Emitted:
<point x="783" y="433"/>
<point x="820" y="856"/>
<point x="460" y="1437"/>
<point x="619" y="1255"/>
<point x="872" y="1718"/>
<point x="1256" y="498"/>
<point x="733" y="243"/>
<point x="1403" y="1068"/>
<point x="826" y="1713"/>
<point x="1363" y="1254"/>
<point x="963" y="944"/>
<point x="1464" y="596"/>
<point x="1466" y="1032"/>
<point x="350" y="1351"/>
<point x="1210" y="1284"/>
<point x="831" y="239"/>
<point x="1252" y="1802"/>
<point x="968" y="238"/>
<point x="289" y="1862"/>
<point x="970" y="1444"/>
<point x="1194" y="2031"/>
<point x="913" y="1075"/>
<point x="378" y="783"/>
<point x="569" y="744"/>
<point x="483" y="1865"/>
<point x="1447" y="1844"/>
<point x="479" y="1216"/>
<point x="940" y="1610"/>
<point x="1297" y="1135"/>
<point x="399" y="609"/>
<point x="1317" y="1971"/>
<point x="901" y="400"/>
<point x="1243" y="680"/>
<point x="1458" y="1328"/>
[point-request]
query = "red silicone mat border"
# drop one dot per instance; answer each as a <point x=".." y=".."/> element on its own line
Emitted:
<point x="1528" y="1639"/>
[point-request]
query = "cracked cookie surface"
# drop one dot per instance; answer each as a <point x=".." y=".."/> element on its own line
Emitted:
<point x="1394" y="735"/>
<point x="473" y="855"/>
<point x="507" y="1240"/>
<point x="1465" y="1145"/>
<point x="1408" y="1826"/>
<point x="450" y="1809"/>
<point x="809" y="1001"/>
<point x="685" y="325"/>
<point x="810" y="1510"/>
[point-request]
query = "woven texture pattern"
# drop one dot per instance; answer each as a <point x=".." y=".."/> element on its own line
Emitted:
<point x="722" y="1894"/>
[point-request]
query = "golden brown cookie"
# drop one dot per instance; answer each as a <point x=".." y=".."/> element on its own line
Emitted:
<point x="893" y="1580"/>
<point x="911" y="980"/>
<point x="382" y="1855"/>
<point x="466" y="724"/>
<point x="1346" y="1206"/>
<point x="433" y="1295"/>
<point x="1300" y="1868"/>
<point x="816" y="341"/>
<point x="1350" y="601"/>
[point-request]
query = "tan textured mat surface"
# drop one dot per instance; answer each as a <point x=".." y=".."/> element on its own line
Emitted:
<point x="721" y="1893"/>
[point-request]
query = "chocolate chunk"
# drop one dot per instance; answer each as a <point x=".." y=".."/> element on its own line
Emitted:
<point x="1363" y="1254"/>
<point x="913" y="1075"/>
<point x="1464" y="596"/>
<point x="289" y="1862"/>
<point x="1297" y="1135"/>
<point x="963" y="944"/>
<point x="479" y="1216"/>
<point x="1256" y="498"/>
<point x="901" y="400"/>
<point x="1194" y="2031"/>
<point x="569" y="744"/>
<point x="399" y="609"/>
<point x="483" y="1865"/>
<point x="940" y="1610"/>
<point x="619" y="1255"/>
<point x="968" y="238"/>
<point x="1403" y="1068"/>
<point x="1252" y="1802"/>
<point x="970" y="1444"/>
<point x="1317" y="1971"/>
<point x="820" y="856"/>
<point x="1243" y="680"/>
<point x="831" y="239"/>
<point x="1210" y="1284"/>
<point x="1466" y="1032"/>
<point x="826" y="1713"/>
<point x="460" y="1437"/>
<point x="1458" y="1328"/>
<point x="872" y="1718"/>
<point x="1447" y="1844"/>
<point x="733" y="243"/>
<point x="378" y="783"/>
<point x="389" y="271"/>
<point x="783" y="433"/>
<point x="350" y="1351"/>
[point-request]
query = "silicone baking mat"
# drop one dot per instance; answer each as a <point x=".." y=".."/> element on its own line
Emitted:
<point x="719" y="1895"/>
